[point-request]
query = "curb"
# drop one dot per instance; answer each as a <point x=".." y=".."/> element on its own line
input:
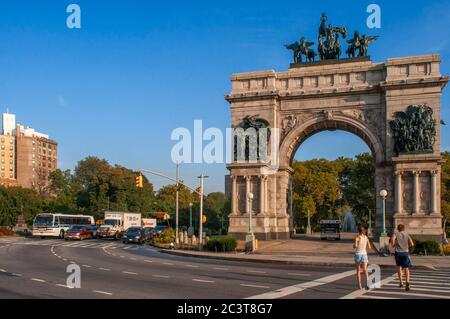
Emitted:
<point x="282" y="262"/>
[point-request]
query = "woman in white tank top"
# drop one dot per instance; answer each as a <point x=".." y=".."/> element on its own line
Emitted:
<point x="361" y="245"/>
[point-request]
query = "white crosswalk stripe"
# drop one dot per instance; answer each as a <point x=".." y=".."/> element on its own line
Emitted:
<point x="93" y="244"/>
<point x="424" y="284"/>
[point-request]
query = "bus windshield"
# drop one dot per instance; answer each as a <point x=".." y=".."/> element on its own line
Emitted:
<point x="43" y="220"/>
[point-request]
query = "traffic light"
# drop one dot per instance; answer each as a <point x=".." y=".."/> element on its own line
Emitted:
<point x="139" y="181"/>
<point x="203" y="219"/>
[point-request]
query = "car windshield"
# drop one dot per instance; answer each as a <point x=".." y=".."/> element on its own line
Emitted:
<point x="133" y="230"/>
<point x="111" y="222"/>
<point x="43" y="220"/>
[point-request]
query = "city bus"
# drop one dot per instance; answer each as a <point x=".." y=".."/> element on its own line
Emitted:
<point x="56" y="225"/>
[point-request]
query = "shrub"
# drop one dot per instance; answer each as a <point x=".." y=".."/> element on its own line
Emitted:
<point x="168" y="236"/>
<point x="220" y="244"/>
<point x="446" y="250"/>
<point x="429" y="247"/>
<point x="4" y="231"/>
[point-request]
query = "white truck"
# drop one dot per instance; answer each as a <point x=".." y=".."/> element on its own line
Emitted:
<point x="149" y="222"/>
<point x="117" y="223"/>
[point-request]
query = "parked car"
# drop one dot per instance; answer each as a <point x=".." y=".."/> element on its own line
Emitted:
<point x="94" y="229"/>
<point x="158" y="230"/>
<point x="78" y="232"/>
<point x="135" y="235"/>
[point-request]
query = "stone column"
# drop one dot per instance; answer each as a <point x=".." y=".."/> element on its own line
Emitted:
<point x="416" y="198"/>
<point x="234" y="198"/>
<point x="398" y="193"/>
<point x="433" y="193"/>
<point x="247" y="190"/>
<point x="262" y="194"/>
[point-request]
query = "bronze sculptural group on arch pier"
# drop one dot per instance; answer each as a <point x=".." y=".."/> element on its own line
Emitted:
<point x="329" y="44"/>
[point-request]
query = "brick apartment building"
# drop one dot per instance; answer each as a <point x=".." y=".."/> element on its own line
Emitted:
<point x="27" y="156"/>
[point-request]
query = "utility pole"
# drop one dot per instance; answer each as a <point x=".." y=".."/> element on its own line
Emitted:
<point x="200" y="232"/>
<point x="176" y="203"/>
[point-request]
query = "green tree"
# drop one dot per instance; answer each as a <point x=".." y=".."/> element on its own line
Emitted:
<point x="358" y="186"/>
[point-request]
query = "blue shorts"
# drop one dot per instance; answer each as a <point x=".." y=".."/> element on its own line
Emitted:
<point x="402" y="260"/>
<point x="361" y="258"/>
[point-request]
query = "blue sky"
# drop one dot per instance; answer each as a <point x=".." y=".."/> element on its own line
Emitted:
<point x="138" y="69"/>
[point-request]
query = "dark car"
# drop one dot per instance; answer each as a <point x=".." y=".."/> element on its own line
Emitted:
<point x="158" y="230"/>
<point x="134" y="235"/>
<point x="94" y="229"/>
<point x="78" y="232"/>
<point x="148" y="233"/>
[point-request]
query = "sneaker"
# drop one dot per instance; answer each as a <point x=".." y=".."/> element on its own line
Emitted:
<point x="407" y="287"/>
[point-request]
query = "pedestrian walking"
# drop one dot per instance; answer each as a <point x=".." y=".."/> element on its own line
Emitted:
<point x="361" y="245"/>
<point x="402" y="242"/>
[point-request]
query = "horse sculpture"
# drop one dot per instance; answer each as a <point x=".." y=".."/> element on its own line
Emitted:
<point x="302" y="48"/>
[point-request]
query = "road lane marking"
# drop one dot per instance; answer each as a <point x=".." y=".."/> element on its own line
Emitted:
<point x="254" y="286"/>
<point x="122" y="256"/>
<point x="202" y="280"/>
<point x="160" y="276"/>
<point x="360" y="292"/>
<point x="133" y="258"/>
<point x="105" y="269"/>
<point x="129" y="273"/>
<point x="168" y="264"/>
<point x="38" y="280"/>
<point x="15" y="274"/>
<point x="87" y="266"/>
<point x="409" y="293"/>
<point x="415" y="288"/>
<point x="148" y="261"/>
<point x="302" y="286"/>
<point x="64" y="286"/>
<point x="220" y="268"/>
<point x="102" y="292"/>
<point x="192" y="266"/>
<point x="377" y="297"/>
<point x="297" y="274"/>
<point x="422" y="286"/>
<point x="2" y="270"/>
<point x="439" y="283"/>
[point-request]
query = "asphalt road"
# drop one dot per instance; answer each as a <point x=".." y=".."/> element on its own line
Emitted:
<point x="35" y="268"/>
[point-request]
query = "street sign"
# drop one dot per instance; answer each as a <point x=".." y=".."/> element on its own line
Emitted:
<point x="190" y="231"/>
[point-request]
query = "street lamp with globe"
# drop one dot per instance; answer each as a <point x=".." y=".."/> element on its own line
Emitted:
<point x="383" y="195"/>
<point x="384" y="240"/>
<point x="250" y="240"/>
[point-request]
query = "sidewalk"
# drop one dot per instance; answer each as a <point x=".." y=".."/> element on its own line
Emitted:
<point x="311" y="251"/>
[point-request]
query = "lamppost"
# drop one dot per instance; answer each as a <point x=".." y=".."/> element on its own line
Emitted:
<point x="384" y="240"/>
<point x="250" y="237"/>
<point x="200" y="229"/>
<point x="383" y="195"/>
<point x="369" y="230"/>
<point x="190" y="214"/>
<point x="250" y="215"/>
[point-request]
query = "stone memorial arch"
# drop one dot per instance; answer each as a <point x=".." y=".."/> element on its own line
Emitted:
<point x="394" y="106"/>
